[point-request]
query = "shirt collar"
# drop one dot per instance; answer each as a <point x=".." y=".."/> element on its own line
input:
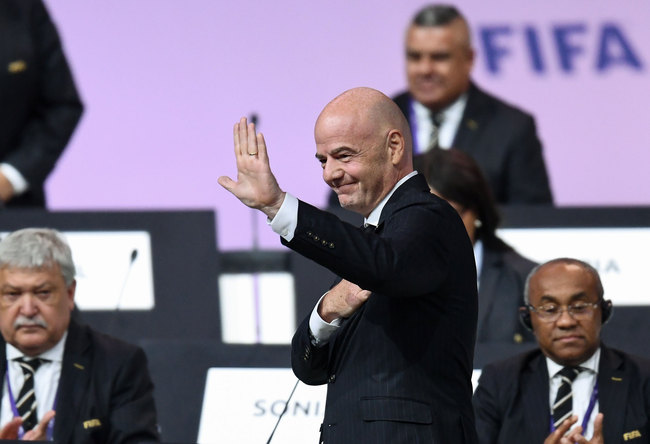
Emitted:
<point x="373" y="217"/>
<point x="590" y="364"/>
<point x="478" y="258"/>
<point x="452" y="112"/>
<point x="55" y="354"/>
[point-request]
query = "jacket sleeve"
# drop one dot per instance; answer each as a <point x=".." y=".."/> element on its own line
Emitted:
<point x="309" y="363"/>
<point x="56" y="107"/>
<point x="414" y="259"/>
<point x="527" y="175"/>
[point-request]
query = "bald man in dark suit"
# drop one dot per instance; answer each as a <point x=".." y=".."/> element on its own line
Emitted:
<point x="394" y="338"/>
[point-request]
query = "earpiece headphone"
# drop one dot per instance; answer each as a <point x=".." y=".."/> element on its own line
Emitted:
<point x="606" y="309"/>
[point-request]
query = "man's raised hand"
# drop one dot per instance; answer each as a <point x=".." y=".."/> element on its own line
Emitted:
<point x="256" y="186"/>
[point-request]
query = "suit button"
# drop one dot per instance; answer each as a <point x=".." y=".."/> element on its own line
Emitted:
<point x="310" y="234"/>
<point x="331" y="245"/>
<point x="324" y="242"/>
<point x="316" y="238"/>
<point x="332" y="378"/>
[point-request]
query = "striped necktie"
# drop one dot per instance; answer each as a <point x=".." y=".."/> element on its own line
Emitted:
<point x="436" y="121"/>
<point x="26" y="401"/>
<point x="563" y="405"/>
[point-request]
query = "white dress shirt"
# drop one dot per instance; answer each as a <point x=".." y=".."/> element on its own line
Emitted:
<point x="17" y="180"/>
<point x="46" y="380"/>
<point x="478" y="258"/>
<point x="582" y="389"/>
<point x="451" y="119"/>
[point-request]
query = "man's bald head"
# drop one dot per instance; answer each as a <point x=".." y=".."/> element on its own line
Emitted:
<point x="371" y="112"/>
<point x="364" y="144"/>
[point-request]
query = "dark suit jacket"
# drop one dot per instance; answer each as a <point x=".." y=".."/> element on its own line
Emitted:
<point x="398" y="370"/>
<point x="39" y="104"/>
<point x="503" y="141"/>
<point x="105" y="394"/>
<point x="511" y="401"/>
<point x="500" y="294"/>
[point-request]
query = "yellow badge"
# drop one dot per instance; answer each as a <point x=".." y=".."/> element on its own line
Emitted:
<point x="17" y="66"/>
<point x="631" y="435"/>
<point x="92" y="423"/>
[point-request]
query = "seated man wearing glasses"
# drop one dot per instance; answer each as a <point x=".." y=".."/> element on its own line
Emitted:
<point x="573" y="389"/>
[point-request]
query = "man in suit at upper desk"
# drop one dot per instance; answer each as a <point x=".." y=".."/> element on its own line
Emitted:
<point x="446" y="109"/>
<point x="394" y="339"/>
<point x="98" y="387"/>
<point x="538" y="396"/>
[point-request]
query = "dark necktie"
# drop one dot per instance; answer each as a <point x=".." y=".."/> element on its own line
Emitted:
<point x="26" y="401"/>
<point x="436" y="121"/>
<point x="368" y="228"/>
<point x="563" y="405"/>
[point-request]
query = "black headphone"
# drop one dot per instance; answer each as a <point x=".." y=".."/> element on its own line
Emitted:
<point x="606" y="309"/>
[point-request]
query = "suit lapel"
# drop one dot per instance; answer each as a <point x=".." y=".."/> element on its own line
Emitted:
<point x="487" y="293"/>
<point x="536" y="399"/>
<point x="75" y="375"/>
<point x="470" y="124"/>
<point x="612" y="394"/>
<point x="396" y="201"/>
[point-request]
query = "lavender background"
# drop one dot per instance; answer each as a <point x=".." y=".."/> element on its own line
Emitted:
<point x="164" y="80"/>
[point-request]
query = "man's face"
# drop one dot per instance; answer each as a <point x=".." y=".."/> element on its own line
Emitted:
<point x="355" y="162"/>
<point x="438" y="63"/>
<point x="567" y="341"/>
<point x="35" y="306"/>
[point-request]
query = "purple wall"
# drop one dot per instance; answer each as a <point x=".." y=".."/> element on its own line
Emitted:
<point x="164" y="80"/>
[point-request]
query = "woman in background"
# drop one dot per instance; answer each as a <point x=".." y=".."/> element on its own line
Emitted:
<point x="501" y="271"/>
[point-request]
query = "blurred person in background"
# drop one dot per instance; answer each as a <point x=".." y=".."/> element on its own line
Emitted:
<point x="455" y="176"/>
<point x="39" y="103"/>
<point x="446" y="109"/>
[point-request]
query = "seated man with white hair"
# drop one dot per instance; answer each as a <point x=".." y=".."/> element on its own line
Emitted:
<point x="98" y="387"/>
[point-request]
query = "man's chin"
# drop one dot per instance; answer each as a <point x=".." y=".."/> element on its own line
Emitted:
<point x="346" y="202"/>
<point x="30" y="336"/>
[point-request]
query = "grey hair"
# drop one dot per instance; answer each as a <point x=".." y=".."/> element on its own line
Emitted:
<point x="436" y="15"/>
<point x="37" y="248"/>
<point x="568" y="261"/>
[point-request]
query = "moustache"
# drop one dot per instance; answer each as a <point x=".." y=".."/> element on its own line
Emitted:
<point x="24" y="321"/>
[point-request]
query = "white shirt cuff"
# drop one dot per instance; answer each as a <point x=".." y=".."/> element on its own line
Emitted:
<point x="286" y="220"/>
<point x="15" y="178"/>
<point x="321" y="330"/>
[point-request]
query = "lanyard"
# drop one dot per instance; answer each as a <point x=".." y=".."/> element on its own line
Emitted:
<point x="50" y="426"/>
<point x="413" y="121"/>
<point x="590" y="409"/>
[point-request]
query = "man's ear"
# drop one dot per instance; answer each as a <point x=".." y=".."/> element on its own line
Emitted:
<point x="70" y="293"/>
<point x="395" y="141"/>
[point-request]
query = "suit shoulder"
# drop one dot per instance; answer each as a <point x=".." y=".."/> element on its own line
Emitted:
<point x="402" y="100"/>
<point x="507" y="367"/>
<point x="499" y="106"/>
<point x="630" y="361"/>
<point x="110" y="346"/>
<point x="517" y="262"/>
<point x="401" y="97"/>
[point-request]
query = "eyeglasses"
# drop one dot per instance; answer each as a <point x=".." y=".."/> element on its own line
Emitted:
<point x="552" y="312"/>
